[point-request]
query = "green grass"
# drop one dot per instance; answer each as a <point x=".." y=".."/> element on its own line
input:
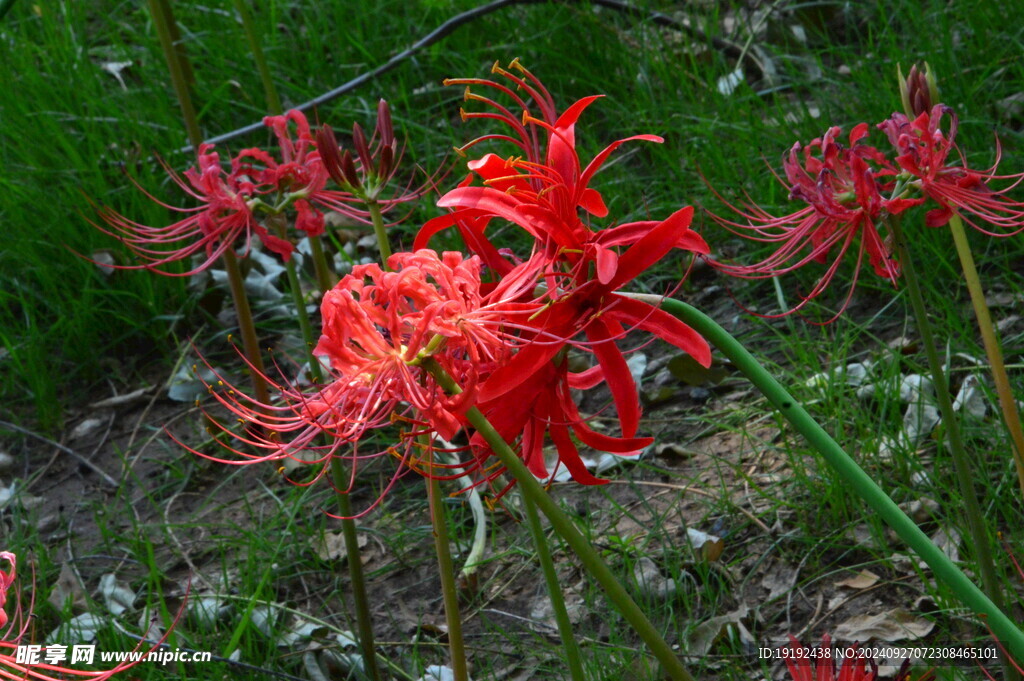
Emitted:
<point x="69" y="131"/>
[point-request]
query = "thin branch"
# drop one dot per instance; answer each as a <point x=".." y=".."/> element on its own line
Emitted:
<point x="449" y="26"/>
<point x="67" y="450"/>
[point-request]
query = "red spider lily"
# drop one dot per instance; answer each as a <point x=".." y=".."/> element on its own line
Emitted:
<point x="543" y="405"/>
<point x="843" y="190"/>
<point x="6" y="580"/>
<point x="595" y="310"/>
<point x="541" y="191"/>
<point x="860" y="668"/>
<point x="299" y="176"/>
<point x="377" y="327"/>
<point x="924" y="151"/>
<point x="366" y="175"/>
<point x="223" y="217"/>
<point x="13" y="636"/>
<point x="857" y="668"/>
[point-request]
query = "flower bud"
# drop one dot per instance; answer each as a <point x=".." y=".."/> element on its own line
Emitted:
<point x="384" y="126"/>
<point x="348" y="169"/>
<point x="918" y="91"/>
<point x="361" y="147"/>
<point x="330" y="154"/>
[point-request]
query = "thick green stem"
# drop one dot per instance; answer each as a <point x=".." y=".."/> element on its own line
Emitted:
<point x="945" y="570"/>
<point x="540" y="542"/>
<point x="364" y="623"/>
<point x="446" y="569"/>
<point x="1007" y="404"/>
<point x="177" y="64"/>
<point x="975" y="521"/>
<point x="378" y="229"/>
<point x="246" y="326"/>
<point x="269" y="90"/>
<point x="590" y="558"/>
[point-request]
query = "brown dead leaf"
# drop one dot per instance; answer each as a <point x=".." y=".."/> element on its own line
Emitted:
<point x="703" y="636"/>
<point x="68" y="587"/>
<point x="705" y="546"/>
<point x="333" y="546"/>
<point x="887" y="627"/>
<point x="779" y="580"/>
<point x="862" y="580"/>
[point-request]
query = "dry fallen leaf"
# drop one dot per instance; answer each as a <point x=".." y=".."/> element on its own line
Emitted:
<point x="704" y="635"/>
<point x="117" y="597"/>
<point x="862" y="580"/>
<point x="333" y="546"/>
<point x="886" y="627"/>
<point x="650" y="582"/>
<point x="705" y="546"/>
<point x="67" y="587"/>
<point x="779" y="579"/>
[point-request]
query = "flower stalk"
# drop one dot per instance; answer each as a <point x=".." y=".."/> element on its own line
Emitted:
<point x="446" y="569"/>
<point x="540" y="542"/>
<point x="379" y="230"/>
<point x="945" y="570"/>
<point x="269" y="89"/>
<point x="339" y="475"/>
<point x="357" y="578"/>
<point x="177" y="64"/>
<point x="975" y="522"/>
<point x="1007" y="404"/>
<point x="324" y="279"/>
<point x="588" y="556"/>
<point x="180" y="71"/>
<point x="246" y="326"/>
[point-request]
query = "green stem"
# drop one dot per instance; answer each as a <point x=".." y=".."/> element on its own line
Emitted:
<point x="269" y="90"/>
<point x="945" y="570"/>
<point x="364" y="622"/>
<point x="246" y="326"/>
<point x="339" y="475"/>
<point x="324" y="279"/>
<point x="447" y="571"/>
<point x="378" y="229"/>
<point x="975" y="522"/>
<point x="590" y="558"/>
<point x="540" y="542"/>
<point x="278" y="222"/>
<point x="1007" y="404"/>
<point x="177" y="64"/>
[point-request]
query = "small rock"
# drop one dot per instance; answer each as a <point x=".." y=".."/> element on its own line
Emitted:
<point x="48" y="523"/>
<point x="86" y="428"/>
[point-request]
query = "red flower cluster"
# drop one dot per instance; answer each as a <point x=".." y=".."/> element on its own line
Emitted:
<point x="231" y="205"/>
<point x="852" y="191"/>
<point x="924" y="151"/>
<point x="505" y="341"/>
<point x="13" y="629"/>
<point x="826" y="667"/>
